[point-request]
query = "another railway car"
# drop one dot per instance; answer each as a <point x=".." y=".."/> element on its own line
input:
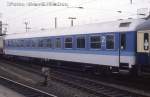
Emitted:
<point x="103" y="46"/>
<point x="143" y="46"/>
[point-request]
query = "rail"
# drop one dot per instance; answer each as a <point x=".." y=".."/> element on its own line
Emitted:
<point x="25" y="90"/>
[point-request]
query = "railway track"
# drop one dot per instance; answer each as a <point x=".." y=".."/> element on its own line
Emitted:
<point x="98" y="88"/>
<point x="25" y="90"/>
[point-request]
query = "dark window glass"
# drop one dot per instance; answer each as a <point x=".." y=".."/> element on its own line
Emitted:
<point x="33" y="43"/>
<point x="8" y="43"/>
<point x="17" y="43"/>
<point x="68" y="42"/>
<point x="22" y="43"/>
<point x="27" y="43"/>
<point x="146" y="41"/>
<point x="44" y="43"/>
<point x="14" y="43"/>
<point x="40" y="43"/>
<point x="58" y="43"/>
<point x="49" y="43"/>
<point x="110" y="41"/>
<point x="11" y="43"/>
<point x="123" y="41"/>
<point x="95" y="42"/>
<point x="81" y="42"/>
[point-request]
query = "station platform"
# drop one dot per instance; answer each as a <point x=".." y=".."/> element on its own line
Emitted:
<point x="6" y="92"/>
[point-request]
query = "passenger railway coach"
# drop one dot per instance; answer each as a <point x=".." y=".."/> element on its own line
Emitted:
<point x="102" y="46"/>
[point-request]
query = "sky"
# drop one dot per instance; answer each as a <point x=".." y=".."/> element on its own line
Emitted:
<point x="16" y="12"/>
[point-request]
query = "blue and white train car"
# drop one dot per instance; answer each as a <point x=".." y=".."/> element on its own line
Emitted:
<point x="108" y="44"/>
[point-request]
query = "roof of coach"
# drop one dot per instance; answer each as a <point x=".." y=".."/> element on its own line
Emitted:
<point x="144" y="26"/>
<point x="114" y="26"/>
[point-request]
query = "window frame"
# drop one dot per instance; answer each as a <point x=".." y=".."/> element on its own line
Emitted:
<point x="60" y="43"/>
<point x="99" y="42"/>
<point x="106" y="41"/>
<point x="28" y="43"/>
<point x="21" y="43"/>
<point x="44" y="42"/>
<point x="81" y="36"/>
<point x="49" y="41"/>
<point x="65" y="42"/>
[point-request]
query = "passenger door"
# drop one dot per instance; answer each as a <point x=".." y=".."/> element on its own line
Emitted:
<point x="122" y="49"/>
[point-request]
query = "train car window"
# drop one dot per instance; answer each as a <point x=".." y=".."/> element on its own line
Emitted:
<point x="110" y="41"/>
<point x="44" y="43"/>
<point x="17" y="43"/>
<point x="9" y="43"/>
<point x="6" y="43"/>
<point x="40" y="43"/>
<point x="68" y="42"/>
<point x="146" y="41"/>
<point x="28" y="43"/>
<point x="14" y="42"/>
<point x="58" y="43"/>
<point x="31" y="43"/>
<point x="123" y="41"/>
<point x="49" y="43"/>
<point x="80" y="42"/>
<point x="95" y="42"/>
<point x="21" y="43"/>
